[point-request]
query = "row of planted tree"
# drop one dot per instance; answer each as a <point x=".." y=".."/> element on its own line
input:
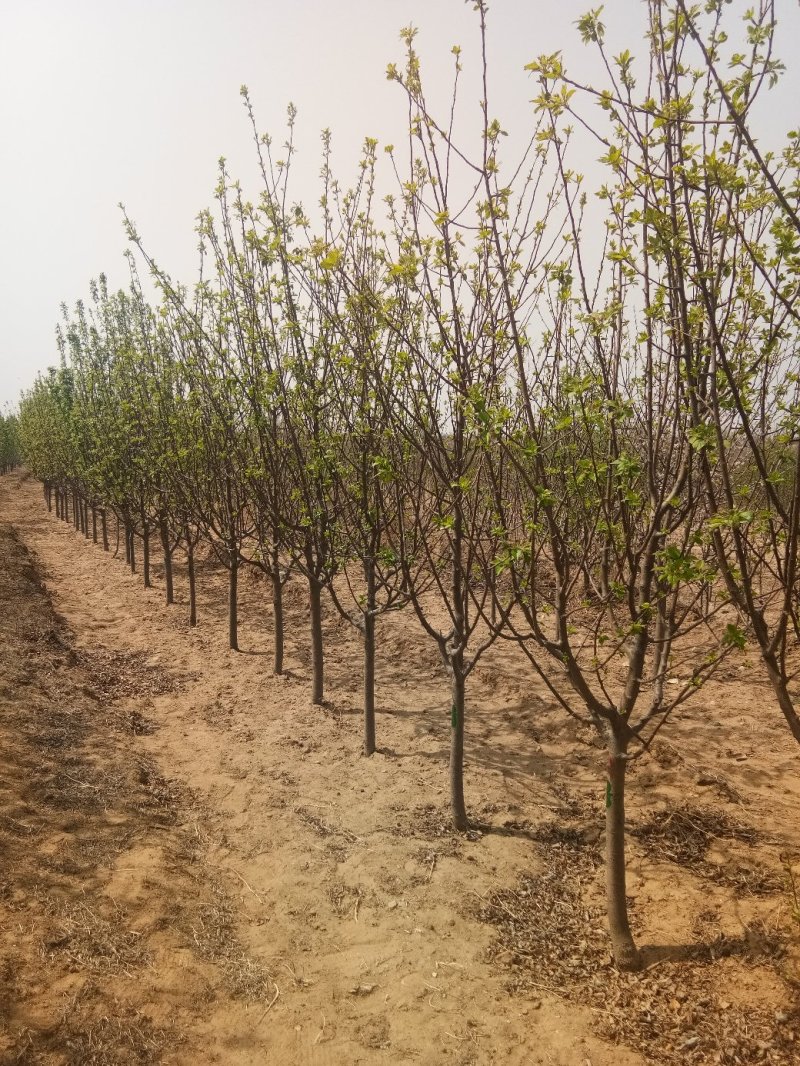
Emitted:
<point x="9" y="443"/>
<point x="521" y="409"/>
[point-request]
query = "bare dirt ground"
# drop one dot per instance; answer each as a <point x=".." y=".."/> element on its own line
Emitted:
<point x="198" y="866"/>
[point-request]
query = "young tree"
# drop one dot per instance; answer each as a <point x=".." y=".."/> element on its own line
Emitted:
<point x="596" y="480"/>
<point x="741" y="246"/>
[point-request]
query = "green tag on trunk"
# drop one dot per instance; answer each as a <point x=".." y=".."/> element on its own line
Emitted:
<point x="609" y="795"/>
<point x="454" y="717"/>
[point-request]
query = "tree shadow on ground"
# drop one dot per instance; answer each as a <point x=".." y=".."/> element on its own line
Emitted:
<point x="754" y="944"/>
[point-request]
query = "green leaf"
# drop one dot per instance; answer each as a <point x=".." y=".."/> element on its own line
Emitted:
<point x="331" y="260"/>
<point x="734" y="637"/>
<point x="702" y="436"/>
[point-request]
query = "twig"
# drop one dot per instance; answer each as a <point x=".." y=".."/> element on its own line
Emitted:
<point x="433" y="867"/>
<point x="249" y="887"/>
<point x="270" y="1005"/>
<point x="320" y="1033"/>
<point x="77" y="781"/>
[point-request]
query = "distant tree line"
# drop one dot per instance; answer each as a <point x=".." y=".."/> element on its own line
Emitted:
<point x="10" y="452"/>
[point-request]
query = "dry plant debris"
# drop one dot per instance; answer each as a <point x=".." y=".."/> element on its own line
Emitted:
<point x="551" y="935"/>
<point x="122" y="674"/>
<point x="684" y="834"/>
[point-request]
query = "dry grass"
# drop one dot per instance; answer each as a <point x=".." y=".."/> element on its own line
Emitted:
<point x="685" y="833"/>
<point x="122" y="674"/>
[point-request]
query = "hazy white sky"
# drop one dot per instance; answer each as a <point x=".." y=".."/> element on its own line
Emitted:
<point x="103" y="101"/>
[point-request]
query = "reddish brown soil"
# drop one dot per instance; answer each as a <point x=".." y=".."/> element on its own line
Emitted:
<point x="199" y="866"/>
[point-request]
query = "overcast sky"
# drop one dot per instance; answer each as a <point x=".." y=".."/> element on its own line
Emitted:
<point x="103" y="101"/>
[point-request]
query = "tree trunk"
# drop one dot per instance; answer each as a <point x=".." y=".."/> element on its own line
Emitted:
<point x="76" y="511"/>
<point x="277" y="613"/>
<point x="626" y="954"/>
<point x="605" y="570"/>
<point x="317" y="657"/>
<point x="48" y="495"/>
<point x="104" y="526"/>
<point x="192" y="586"/>
<point x="369" y="684"/>
<point x="58" y="504"/>
<point x="86" y="530"/>
<point x="233" y="596"/>
<point x="145" y="552"/>
<point x="94" y="524"/>
<point x="167" y="551"/>
<point x="457" y="805"/>
<point x="369" y="660"/>
<point x="785" y="701"/>
<point x="132" y="542"/>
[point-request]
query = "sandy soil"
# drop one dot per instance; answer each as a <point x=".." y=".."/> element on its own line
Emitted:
<point x="199" y="866"/>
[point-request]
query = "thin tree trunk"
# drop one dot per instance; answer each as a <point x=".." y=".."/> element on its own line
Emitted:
<point x="605" y="566"/>
<point x="167" y="551"/>
<point x="277" y="613"/>
<point x="86" y="530"/>
<point x="58" y="504"/>
<point x="192" y="587"/>
<point x="457" y="805"/>
<point x="455" y="662"/>
<point x="94" y="524"/>
<point x="132" y="541"/>
<point x="625" y="951"/>
<point x="76" y="511"/>
<point x="48" y="495"/>
<point x="317" y="655"/>
<point x="369" y="660"/>
<point x="785" y="701"/>
<point x="369" y="684"/>
<point x="145" y="551"/>
<point x="233" y="596"/>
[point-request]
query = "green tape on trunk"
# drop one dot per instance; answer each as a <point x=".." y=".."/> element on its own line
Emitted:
<point x="454" y="717"/>
<point x="609" y="794"/>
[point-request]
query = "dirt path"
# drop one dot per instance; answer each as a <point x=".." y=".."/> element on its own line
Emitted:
<point x="346" y="890"/>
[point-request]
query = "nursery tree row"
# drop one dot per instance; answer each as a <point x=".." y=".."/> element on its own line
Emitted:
<point x="521" y="406"/>
<point x="9" y="443"/>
